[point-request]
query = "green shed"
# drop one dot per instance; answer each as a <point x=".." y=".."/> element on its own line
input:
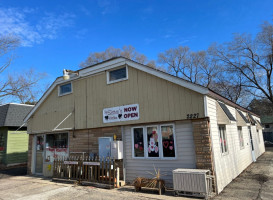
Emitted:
<point x="13" y="134"/>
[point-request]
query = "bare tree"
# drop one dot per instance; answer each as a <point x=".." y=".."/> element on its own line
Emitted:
<point x="111" y="52"/>
<point x="196" y="67"/>
<point x="22" y="86"/>
<point x="250" y="58"/>
<point x="175" y="59"/>
<point x="7" y="44"/>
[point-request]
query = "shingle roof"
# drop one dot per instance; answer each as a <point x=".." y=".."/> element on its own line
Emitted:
<point x="13" y="114"/>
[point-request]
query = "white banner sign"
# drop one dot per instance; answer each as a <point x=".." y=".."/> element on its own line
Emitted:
<point x="91" y="163"/>
<point x="70" y="162"/>
<point x="121" y="113"/>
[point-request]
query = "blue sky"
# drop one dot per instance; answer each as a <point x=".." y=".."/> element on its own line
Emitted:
<point x="60" y="34"/>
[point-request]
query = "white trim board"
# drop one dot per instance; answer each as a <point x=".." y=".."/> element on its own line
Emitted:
<point x="107" y="65"/>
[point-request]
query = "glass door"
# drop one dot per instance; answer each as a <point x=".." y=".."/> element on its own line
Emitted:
<point x="39" y="154"/>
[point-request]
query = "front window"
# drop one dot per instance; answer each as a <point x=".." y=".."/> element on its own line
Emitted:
<point x="65" y="89"/>
<point x="152" y="137"/>
<point x="117" y="75"/>
<point x="154" y="142"/>
<point x="223" y="139"/>
<point x="56" y="146"/>
<point x="168" y="141"/>
<point x="241" y="139"/>
<point x="138" y="142"/>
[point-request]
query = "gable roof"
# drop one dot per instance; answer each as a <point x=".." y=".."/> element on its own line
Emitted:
<point x="12" y="115"/>
<point x="118" y="61"/>
<point x="113" y="63"/>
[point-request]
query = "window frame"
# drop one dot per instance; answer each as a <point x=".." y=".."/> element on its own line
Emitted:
<point x="133" y="142"/>
<point x="118" y="80"/>
<point x="258" y="135"/>
<point x="45" y="140"/>
<point x="221" y="137"/>
<point x="241" y="146"/>
<point x="59" y="89"/>
<point x="160" y="146"/>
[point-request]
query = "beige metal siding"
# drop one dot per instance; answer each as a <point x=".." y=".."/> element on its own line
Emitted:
<point x="158" y="99"/>
<point x="142" y="167"/>
<point x="52" y="112"/>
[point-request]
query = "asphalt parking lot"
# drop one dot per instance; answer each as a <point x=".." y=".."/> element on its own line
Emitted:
<point x="256" y="182"/>
<point x="23" y="187"/>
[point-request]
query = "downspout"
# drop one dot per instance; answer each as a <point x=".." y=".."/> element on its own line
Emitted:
<point x="124" y="159"/>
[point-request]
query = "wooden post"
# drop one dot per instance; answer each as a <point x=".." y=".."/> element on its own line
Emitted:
<point x="102" y="171"/>
<point x="110" y="166"/>
<point x="117" y="177"/>
<point x="99" y="171"/>
<point x="114" y="170"/>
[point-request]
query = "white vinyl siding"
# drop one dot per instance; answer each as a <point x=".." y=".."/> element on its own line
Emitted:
<point x="231" y="165"/>
<point x="185" y="155"/>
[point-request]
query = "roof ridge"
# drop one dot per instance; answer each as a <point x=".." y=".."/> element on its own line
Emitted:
<point x="17" y="104"/>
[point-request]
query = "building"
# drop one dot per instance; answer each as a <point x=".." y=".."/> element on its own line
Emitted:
<point x="164" y="122"/>
<point x="13" y="134"/>
<point x="267" y="122"/>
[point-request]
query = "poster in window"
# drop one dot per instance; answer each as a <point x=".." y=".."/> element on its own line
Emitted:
<point x="56" y="146"/>
<point x="152" y="136"/>
<point x="138" y="142"/>
<point x="168" y="141"/>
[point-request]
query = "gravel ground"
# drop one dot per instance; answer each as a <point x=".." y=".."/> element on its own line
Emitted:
<point x="256" y="182"/>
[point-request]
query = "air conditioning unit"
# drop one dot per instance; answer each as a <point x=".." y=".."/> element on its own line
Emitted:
<point x="192" y="182"/>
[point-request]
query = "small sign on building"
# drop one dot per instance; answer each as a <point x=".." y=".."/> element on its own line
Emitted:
<point x="121" y="113"/>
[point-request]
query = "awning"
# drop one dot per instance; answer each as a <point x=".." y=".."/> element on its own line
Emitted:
<point x="251" y="119"/>
<point x="241" y="119"/>
<point x="259" y="126"/>
<point x="224" y="116"/>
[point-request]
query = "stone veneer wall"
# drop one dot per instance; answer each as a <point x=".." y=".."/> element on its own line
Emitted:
<point x="84" y="141"/>
<point x="29" y="155"/>
<point x="87" y="141"/>
<point x="203" y="146"/>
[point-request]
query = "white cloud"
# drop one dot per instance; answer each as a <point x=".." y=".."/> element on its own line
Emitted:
<point x="16" y="22"/>
<point x="108" y="6"/>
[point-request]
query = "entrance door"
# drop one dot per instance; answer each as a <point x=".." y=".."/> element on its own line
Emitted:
<point x="252" y="146"/>
<point x="39" y="154"/>
<point x="105" y="147"/>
